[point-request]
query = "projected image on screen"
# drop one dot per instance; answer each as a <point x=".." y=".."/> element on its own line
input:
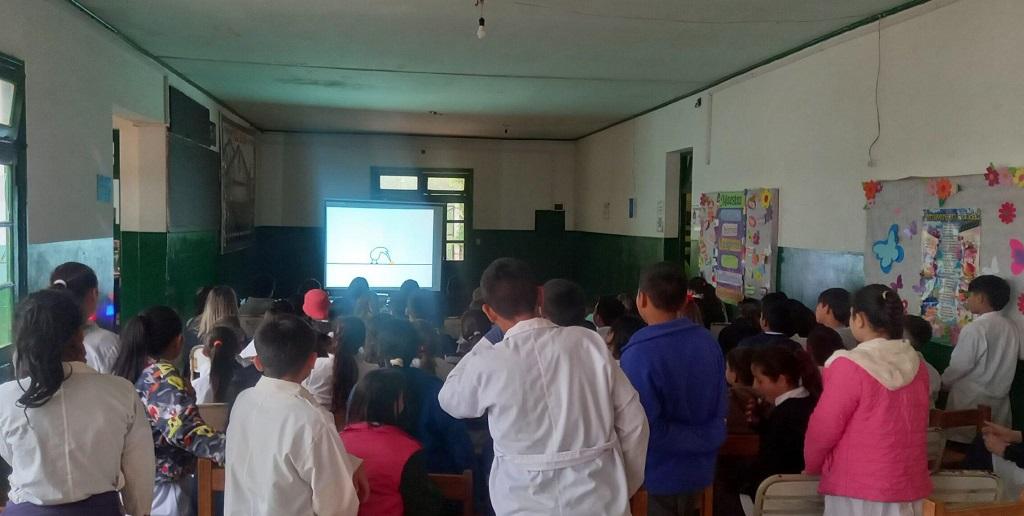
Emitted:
<point x="386" y="244"/>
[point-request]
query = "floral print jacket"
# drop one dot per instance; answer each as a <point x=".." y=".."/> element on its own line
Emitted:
<point x="179" y="433"/>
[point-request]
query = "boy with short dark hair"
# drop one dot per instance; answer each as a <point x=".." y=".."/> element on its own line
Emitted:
<point x="565" y="303"/>
<point x="284" y="455"/>
<point x="746" y="325"/>
<point x="833" y="310"/>
<point x="984" y="360"/>
<point x="570" y="436"/>
<point x="776" y="324"/>
<point x="678" y="369"/>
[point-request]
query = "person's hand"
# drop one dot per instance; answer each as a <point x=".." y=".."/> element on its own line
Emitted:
<point x="361" y="483"/>
<point x="753" y="411"/>
<point x="1002" y="432"/>
<point x="995" y="445"/>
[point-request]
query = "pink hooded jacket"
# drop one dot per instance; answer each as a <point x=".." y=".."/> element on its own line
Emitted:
<point x="867" y="436"/>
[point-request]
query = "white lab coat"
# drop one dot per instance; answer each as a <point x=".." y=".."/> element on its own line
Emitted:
<point x="982" y="368"/>
<point x="101" y="348"/>
<point x="570" y="434"/>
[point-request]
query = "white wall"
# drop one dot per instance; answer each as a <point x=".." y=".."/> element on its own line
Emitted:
<point x="951" y="98"/>
<point x="511" y="179"/>
<point x="77" y="75"/>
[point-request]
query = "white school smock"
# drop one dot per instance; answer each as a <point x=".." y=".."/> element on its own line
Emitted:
<point x="88" y="439"/>
<point x="321" y="381"/>
<point x="101" y="348"/>
<point x="570" y="434"/>
<point x="981" y="369"/>
<point x="284" y="456"/>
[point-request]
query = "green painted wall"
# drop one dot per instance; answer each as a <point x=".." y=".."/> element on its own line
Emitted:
<point x="143" y="271"/>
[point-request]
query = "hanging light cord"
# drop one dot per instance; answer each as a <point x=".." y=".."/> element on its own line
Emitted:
<point x="878" y="113"/>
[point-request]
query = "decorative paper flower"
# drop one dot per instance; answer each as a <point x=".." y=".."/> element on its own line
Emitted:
<point x="751" y="222"/>
<point x="942" y="189"/>
<point x="1007" y="212"/>
<point x="871" y="189"/>
<point x="1018" y="176"/>
<point x="992" y="175"/>
<point x="766" y="197"/>
<point x="705" y="200"/>
<point x="752" y="202"/>
<point x="756" y="238"/>
<point x="1020" y="303"/>
<point x="769" y="213"/>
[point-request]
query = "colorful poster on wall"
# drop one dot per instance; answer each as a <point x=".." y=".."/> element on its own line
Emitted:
<point x="950" y="259"/>
<point x="730" y="233"/>
<point x="761" y="240"/>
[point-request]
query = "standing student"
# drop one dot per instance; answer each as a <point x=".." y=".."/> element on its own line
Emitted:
<point x="474" y="324"/>
<point x="101" y="346"/>
<point x="833" y="310"/>
<point x="822" y="342"/>
<point x="741" y="389"/>
<point x="394" y="461"/>
<point x="69" y="433"/>
<point x="191" y="330"/>
<point x="712" y="309"/>
<point x="984" y="360"/>
<point x="570" y="436"/>
<point x="608" y="310"/>
<point x="349" y="335"/>
<point x="150" y="341"/>
<point x="776" y="324"/>
<point x="223" y="343"/>
<point x="446" y="444"/>
<point x="870" y="461"/>
<point x="621" y="331"/>
<point x="685" y="399"/>
<point x="221" y="309"/>
<point x="564" y="303"/>
<point x="746" y="325"/>
<point x="919" y="332"/>
<point x="284" y="455"/>
<point x="791" y="384"/>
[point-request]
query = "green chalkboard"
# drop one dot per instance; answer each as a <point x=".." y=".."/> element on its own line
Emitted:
<point x="804" y="273"/>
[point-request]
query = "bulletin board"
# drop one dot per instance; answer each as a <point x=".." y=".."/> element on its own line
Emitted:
<point x="739" y="242"/>
<point x="929" y="237"/>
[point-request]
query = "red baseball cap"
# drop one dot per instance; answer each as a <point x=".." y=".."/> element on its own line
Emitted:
<point x="317" y="304"/>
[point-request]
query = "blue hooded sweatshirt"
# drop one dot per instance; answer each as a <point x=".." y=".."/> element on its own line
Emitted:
<point x="678" y="369"/>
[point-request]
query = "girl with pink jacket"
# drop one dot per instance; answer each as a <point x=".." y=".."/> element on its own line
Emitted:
<point x="867" y="436"/>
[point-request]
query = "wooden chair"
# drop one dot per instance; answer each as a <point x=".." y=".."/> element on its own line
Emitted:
<point x="789" y="495"/>
<point x="457" y="488"/>
<point x="215" y="415"/>
<point x="949" y="419"/>
<point x="210" y="479"/>
<point x="936" y="449"/>
<point x="969" y="493"/>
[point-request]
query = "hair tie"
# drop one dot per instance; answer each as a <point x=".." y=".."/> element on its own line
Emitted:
<point x="60" y="282"/>
<point x="218" y="343"/>
<point x="885" y="295"/>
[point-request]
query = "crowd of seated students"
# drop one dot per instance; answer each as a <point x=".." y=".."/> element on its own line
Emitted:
<point x="346" y="406"/>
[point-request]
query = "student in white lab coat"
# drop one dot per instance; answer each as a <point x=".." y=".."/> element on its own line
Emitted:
<point x="984" y="359"/>
<point x="284" y="455"/>
<point x="570" y="435"/>
<point x="78" y="442"/>
<point x="101" y="346"/>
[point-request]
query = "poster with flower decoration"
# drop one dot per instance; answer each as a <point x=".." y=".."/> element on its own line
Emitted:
<point x="760" y="252"/>
<point x="924" y="238"/>
<point x="950" y="254"/>
<point x="738" y="241"/>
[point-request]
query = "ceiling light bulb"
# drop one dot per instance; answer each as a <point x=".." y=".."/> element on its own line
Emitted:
<point x="480" y="31"/>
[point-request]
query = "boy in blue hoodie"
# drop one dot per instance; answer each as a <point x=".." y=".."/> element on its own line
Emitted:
<point x="678" y="369"/>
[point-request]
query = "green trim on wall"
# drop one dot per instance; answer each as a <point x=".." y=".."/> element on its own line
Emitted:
<point x="143" y="271"/>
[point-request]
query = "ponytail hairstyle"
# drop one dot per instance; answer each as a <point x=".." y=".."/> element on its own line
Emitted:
<point x="146" y="337"/>
<point x="375" y="398"/>
<point x="883" y="309"/>
<point x="220" y="304"/>
<point x="222" y="344"/>
<point x="430" y="348"/>
<point x="46" y="324"/>
<point x="797" y="366"/>
<point x="76" y="278"/>
<point x="349" y="334"/>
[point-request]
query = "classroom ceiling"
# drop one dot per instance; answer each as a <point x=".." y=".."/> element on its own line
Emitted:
<point x="554" y="69"/>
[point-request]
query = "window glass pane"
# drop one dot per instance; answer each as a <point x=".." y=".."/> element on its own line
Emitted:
<point x="451" y="184"/>
<point x="6" y="102"/>
<point x="455" y="252"/>
<point x="456" y="211"/>
<point x="6" y="276"/>
<point x="455" y="231"/>
<point x="5" y="193"/>
<point x="399" y="183"/>
<point x="6" y="316"/>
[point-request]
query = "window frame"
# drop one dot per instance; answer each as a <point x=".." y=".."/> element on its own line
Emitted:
<point x="423" y="194"/>
<point x="12" y="153"/>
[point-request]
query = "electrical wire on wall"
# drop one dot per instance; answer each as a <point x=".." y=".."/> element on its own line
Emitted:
<point x="878" y="113"/>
